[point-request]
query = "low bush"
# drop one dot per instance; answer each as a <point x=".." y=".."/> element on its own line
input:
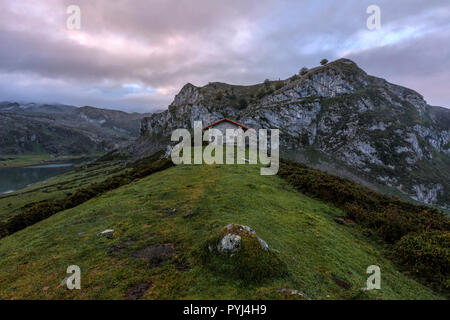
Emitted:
<point x="388" y="216"/>
<point x="427" y="254"/>
<point x="243" y="103"/>
<point x="419" y="234"/>
<point x="303" y="71"/>
<point x="279" y="85"/>
<point x="260" y="94"/>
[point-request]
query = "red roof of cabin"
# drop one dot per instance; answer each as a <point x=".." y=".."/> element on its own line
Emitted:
<point x="226" y="119"/>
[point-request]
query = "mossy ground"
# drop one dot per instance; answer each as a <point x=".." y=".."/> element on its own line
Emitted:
<point x="249" y="264"/>
<point x="182" y="206"/>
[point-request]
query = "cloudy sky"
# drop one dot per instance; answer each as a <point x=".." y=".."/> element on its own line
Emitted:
<point x="135" y="55"/>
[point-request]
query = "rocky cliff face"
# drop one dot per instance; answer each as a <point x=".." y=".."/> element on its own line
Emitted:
<point x="335" y="117"/>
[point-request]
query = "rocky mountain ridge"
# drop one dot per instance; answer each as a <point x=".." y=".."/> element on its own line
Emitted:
<point x="64" y="130"/>
<point x="335" y="117"/>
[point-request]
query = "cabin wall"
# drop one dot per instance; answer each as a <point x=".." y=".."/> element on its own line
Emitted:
<point x="223" y="126"/>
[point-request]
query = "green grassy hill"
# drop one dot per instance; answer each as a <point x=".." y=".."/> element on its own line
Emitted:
<point x="163" y="221"/>
<point x="56" y="187"/>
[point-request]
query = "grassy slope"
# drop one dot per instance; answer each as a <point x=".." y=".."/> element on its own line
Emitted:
<point x="314" y="247"/>
<point x="56" y="187"/>
<point x="12" y="161"/>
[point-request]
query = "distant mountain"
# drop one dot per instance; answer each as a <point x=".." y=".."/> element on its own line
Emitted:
<point x="64" y="130"/>
<point x="334" y="117"/>
<point x="127" y="123"/>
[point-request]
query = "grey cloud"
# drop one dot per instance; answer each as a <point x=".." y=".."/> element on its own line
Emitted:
<point x="199" y="41"/>
<point x="420" y="64"/>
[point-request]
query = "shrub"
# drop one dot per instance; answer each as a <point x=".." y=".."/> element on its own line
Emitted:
<point x="3" y="231"/>
<point x="420" y="234"/>
<point x="303" y="71"/>
<point x="388" y="216"/>
<point x="242" y="103"/>
<point x="219" y="95"/>
<point x="426" y="253"/>
<point x="279" y="85"/>
<point x="260" y="94"/>
<point x="323" y="62"/>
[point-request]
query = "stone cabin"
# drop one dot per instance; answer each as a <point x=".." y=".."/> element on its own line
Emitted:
<point x="223" y="125"/>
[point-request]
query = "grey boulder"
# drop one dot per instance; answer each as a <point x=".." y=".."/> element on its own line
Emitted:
<point x="230" y="243"/>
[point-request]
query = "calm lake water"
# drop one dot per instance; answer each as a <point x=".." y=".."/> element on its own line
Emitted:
<point x="12" y="179"/>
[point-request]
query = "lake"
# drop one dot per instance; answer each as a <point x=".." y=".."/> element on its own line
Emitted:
<point x="12" y="179"/>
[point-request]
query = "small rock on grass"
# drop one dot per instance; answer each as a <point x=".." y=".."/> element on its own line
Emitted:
<point x="263" y="244"/>
<point x="296" y="292"/>
<point x="230" y="243"/>
<point x="63" y="283"/>
<point x="107" y="232"/>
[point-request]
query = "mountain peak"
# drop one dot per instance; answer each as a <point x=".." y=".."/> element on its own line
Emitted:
<point x="385" y="132"/>
<point x="344" y="61"/>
